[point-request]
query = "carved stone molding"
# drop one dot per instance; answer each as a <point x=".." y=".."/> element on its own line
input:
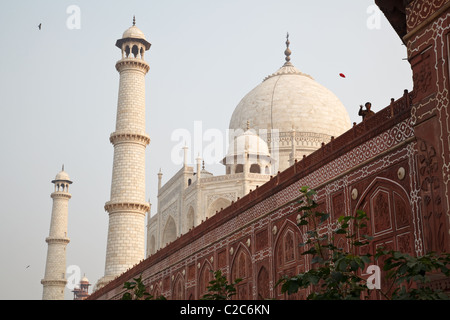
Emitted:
<point x="119" y="137"/>
<point x="51" y="240"/>
<point x="284" y="139"/>
<point x="231" y="196"/>
<point x="113" y="207"/>
<point x="418" y="11"/>
<point x="58" y="283"/>
<point x="423" y="77"/>
<point x="58" y="194"/>
<point x="430" y="187"/>
<point x="169" y="211"/>
<point x="132" y="63"/>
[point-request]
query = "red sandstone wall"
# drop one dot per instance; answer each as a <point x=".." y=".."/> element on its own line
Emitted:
<point x="428" y="50"/>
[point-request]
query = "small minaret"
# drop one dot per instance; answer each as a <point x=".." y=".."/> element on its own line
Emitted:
<point x="185" y="157"/>
<point x="160" y="174"/>
<point x="199" y="168"/>
<point x="82" y="292"/>
<point x="293" y="150"/>
<point x="54" y="280"/>
<point x="127" y="206"/>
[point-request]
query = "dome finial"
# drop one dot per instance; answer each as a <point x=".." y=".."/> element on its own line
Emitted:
<point x="63" y="167"/>
<point x="288" y="51"/>
<point x="134" y="20"/>
<point x="248" y="125"/>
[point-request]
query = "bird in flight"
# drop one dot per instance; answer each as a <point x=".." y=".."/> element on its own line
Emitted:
<point x="27" y="266"/>
<point x="40" y="25"/>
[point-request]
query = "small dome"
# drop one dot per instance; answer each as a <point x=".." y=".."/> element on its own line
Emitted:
<point x="84" y="280"/>
<point x="133" y="32"/>
<point x="204" y="173"/>
<point x="249" y="142"/>
<point x="62" y="176"/>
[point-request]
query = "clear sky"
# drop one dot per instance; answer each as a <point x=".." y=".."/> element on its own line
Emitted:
<point x="58" y="89"/>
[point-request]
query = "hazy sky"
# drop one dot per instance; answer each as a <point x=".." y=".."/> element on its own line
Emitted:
<point x="58" y="89"/>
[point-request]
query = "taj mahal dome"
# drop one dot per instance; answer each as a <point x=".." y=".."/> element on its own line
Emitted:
<point x="297" y="113"/>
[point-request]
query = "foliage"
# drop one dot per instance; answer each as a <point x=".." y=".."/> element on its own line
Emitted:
<point x="219" y="288"/>
<point x="139" y="291"/>
<point x="409" y="275"/>
<point x="335" y="272"/>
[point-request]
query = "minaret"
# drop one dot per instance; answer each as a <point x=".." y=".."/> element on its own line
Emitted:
<point x="54" y="280"/>
<point x="127" y="206"/>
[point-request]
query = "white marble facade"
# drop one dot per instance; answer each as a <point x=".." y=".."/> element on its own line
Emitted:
<point x="193" y="194"/>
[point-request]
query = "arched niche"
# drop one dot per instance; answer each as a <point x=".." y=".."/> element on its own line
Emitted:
<point x="190" y="218"/>
<point x="217" y="205"/>
<point x="241" y="268"/>
<point x="288" y="260"/>
<point x="178" y="288"/>
<point x="170" y="231"/>
<point x="205" y="275"/>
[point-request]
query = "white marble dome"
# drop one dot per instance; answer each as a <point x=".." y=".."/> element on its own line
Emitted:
<point x="62" y="176"/>
<point x="248" y="142"/>
<point x="290" y="99"/>
<point x="133" y="32"/>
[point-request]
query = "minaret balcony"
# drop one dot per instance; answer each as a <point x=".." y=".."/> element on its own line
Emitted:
<point x="56" y="240"/>
<point x="121" y="137"/>
<point x="113" y="207"/>
<point x="132" y="63"/>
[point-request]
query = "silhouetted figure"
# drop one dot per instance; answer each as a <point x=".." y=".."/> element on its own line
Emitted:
<point x="40" y="25"/>
<point x="365" y="114"/>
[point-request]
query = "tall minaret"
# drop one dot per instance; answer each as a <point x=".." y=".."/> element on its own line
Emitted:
<point x="127" y="206"/>
<point x="54" y="280"/>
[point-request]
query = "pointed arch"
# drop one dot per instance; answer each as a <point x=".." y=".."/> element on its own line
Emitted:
<point x="156" y="291"/>
<point x="255" y="168"/>
<point x="263" y="284"/>
<point x="391" y="216"/>
<point x="178" y="288"/>
<point x="170" y="231"/>
<point x="217" y="205"/>
<point x="241" y="268"/>
<point x="204" y="277"/>
<point x="190" y="218"/>
<point x="152" y="244"/>
<point x="388" y="206"/>
<point x="135" y="51"/>
<point x="287" y="257"/>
